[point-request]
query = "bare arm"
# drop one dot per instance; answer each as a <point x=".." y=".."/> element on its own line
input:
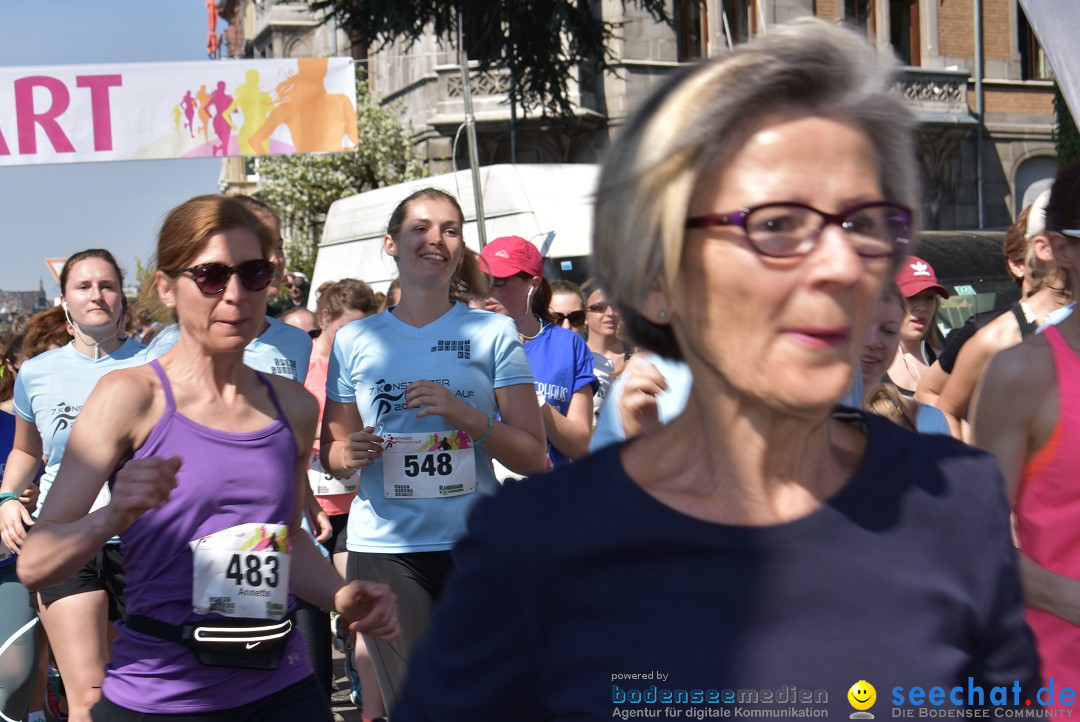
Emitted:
<point x="570" y="434"/>
<point x="371" y="607"/>
<point x="66" y="536"/>
<point x="21" y="468"/>
<point x="516" y="440"/>
<point x="956" y="397"/>
<point x="1005" y="411"/>
<point x="931" y="385"/>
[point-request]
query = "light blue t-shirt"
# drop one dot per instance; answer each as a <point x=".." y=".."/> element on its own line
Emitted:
<point x="563" y="365"/>
<point x="469" y="351"/>
<point x="51" y="389"/>
<point x="670" y="403"/>
<point x="280" y="350"/>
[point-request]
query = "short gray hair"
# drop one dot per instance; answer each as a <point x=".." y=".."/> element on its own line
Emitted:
<point x="704" y="114"/>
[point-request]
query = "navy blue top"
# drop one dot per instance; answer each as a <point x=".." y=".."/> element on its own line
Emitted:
<point x="569" y="584"/>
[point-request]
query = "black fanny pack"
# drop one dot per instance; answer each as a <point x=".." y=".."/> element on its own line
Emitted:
<point x="248" y="643"/>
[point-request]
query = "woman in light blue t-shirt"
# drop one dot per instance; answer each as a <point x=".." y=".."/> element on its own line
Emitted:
<point x="50" y="390"/>
<point x="422" y="398"/>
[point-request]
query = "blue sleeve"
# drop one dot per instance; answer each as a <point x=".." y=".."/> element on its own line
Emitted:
<point x="480" y="658"/>
<point x="511" y="364"/>
<point x="609" y="429"/>
<point x="339" y="381"/>
<point x="583" y="367"/>
<point x="21" y="400"/>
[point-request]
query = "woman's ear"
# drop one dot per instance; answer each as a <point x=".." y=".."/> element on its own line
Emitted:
<point x="1063" y="250"/>
<point x="166" y="289"/>
<point x="389" y="245"/>
<point x="1042" y="248"/>
<point x="657" y="305"/>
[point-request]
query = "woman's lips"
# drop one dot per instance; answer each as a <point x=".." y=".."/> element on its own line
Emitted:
<point x="821" y="337"/>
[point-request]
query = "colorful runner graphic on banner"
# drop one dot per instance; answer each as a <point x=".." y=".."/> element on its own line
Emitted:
<point x="89" y="113"/>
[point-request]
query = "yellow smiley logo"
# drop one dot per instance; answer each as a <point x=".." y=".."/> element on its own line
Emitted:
<point x="862" y="695"/>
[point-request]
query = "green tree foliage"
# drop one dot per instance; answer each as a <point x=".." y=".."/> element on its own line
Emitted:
<point x="1066" y="136"/>
<point x="302" y="187"/>
<point x="541" y="41"/>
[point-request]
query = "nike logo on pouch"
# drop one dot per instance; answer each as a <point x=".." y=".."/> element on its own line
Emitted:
<point x="252" y="645"/>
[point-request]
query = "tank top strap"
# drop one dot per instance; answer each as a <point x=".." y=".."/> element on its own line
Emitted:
<point x="1066" y="361"/>
<point x="170" y="403"/>
<point x="273" y="397"/>
<point x="1026" y="327"/>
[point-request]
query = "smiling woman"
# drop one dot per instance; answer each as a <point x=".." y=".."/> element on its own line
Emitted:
<point x="422" y="398"/>
<point x="747" y="219"/>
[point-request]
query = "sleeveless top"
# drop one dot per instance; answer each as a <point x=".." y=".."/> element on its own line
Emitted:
<point x="1048" y="513"/>
<point x="227" y="479"/>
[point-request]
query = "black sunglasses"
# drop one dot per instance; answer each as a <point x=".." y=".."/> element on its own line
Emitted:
<point x="576" y="318"/>
<point x="212" y="278"/>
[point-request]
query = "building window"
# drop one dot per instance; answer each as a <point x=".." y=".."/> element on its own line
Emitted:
<point x="857" y="13"/>
<point x="736" y="19"/>
<point x="690" y="28"/>
<point x="1034" y="65"/>
<point x="904" y="30"/>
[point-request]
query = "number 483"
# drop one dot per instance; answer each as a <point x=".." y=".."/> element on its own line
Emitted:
<point x="251" y="572"/>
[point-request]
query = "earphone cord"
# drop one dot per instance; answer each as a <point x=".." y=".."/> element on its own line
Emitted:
<point x="86" y="338"/>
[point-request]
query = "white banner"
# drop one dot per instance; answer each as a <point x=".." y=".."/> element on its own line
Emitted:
<point x="90" y="113"/>
<point x="1055" y="23"/>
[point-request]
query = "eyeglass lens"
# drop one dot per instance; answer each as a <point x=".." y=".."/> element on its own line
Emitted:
<point x="786" y="230"/>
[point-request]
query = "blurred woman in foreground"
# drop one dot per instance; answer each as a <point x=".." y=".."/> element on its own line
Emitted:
<point x="760" y="539"/>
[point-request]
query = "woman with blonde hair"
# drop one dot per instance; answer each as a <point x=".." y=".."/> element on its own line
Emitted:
<point x="747" y="219"/>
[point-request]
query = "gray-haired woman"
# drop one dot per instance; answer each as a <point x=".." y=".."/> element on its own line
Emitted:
<point x="760" y="551"/>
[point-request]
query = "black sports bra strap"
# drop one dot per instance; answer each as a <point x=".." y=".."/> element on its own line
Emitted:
<point x="170" y="402"/>
<point x="1026" y="327"/>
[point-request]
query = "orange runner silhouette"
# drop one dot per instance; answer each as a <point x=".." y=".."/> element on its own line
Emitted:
<point x="317" y="120"/>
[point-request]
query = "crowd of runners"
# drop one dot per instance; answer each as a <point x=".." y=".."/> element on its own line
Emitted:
<point x="753" y="459"/>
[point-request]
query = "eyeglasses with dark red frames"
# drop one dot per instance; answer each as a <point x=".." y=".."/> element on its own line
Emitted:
<point x="212" y="278"/>
<point x="789" y="230"/>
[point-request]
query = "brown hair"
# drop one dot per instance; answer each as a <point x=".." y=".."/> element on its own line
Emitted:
<point x="885" y="400"/>
<point x="1015" y="246"/>
<point x="337" y="297"/>
<point x="75" y="258"/>
<point x="46" y="330"/>
<point x="188" y="227"/>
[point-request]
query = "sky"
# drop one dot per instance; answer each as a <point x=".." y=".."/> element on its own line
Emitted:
<point x="49" y="211"/>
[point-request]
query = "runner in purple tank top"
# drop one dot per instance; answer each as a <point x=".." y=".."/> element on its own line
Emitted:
<point x="206" y="503"/>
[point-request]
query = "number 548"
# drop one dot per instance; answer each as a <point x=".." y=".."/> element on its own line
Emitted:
<point x="431" y="465"/>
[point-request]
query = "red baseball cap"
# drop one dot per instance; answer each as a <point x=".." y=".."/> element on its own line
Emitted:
<point x="509" y="255"/>
<point x="915" y="276"/>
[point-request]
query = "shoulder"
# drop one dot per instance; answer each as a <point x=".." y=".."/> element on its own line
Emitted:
<point x="294" y="398"/>
<point x="129" y="392"/>
<point x="44" y="363"/>
<point x="1022" y="369"/>
<point x="920" y="476"/>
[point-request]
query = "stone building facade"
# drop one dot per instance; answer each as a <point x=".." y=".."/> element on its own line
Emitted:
<point x="935" y="40"/>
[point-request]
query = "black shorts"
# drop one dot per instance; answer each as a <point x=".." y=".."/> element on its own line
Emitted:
<point x="336" y="543"/>
<point x="104" y="572"/>
<point x="301" y="701"/>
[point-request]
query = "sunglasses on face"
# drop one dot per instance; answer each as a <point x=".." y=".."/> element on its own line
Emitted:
<point x="212" y="278"/>
<point x="600" y="307"/>
<point x="576" y="318"/>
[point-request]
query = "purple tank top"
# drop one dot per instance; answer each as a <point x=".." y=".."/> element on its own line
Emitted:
<point x="227" y="479"/>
